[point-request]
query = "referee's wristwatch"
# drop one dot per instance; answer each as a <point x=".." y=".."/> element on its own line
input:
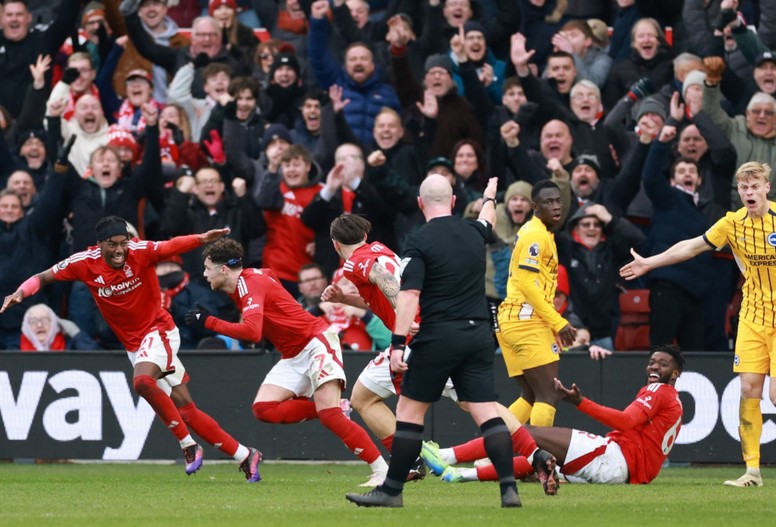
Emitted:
<point x="485" y="200"/>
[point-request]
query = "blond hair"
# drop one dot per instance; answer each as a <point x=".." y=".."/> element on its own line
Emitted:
<point x="754" y="170"/>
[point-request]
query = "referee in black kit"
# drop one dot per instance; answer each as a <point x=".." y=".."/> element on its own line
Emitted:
<point x="443" y="270"/>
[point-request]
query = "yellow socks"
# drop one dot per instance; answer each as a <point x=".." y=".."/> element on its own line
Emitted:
<point x="521" y="409"/>
<point x="750" y="429"/>
<point x="542" y="415"/>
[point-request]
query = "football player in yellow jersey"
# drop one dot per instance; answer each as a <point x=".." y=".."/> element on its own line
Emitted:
<point x="751" y="234"/>
<point x="531" y="333"/>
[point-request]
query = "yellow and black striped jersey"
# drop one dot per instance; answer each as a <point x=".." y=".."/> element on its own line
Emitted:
<point x="753" y="241"/>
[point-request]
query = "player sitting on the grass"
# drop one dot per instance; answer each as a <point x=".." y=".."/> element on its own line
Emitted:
<point x="633" y="452"/>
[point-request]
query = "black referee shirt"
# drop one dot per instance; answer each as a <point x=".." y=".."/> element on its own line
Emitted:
<point x="445" y="260"/>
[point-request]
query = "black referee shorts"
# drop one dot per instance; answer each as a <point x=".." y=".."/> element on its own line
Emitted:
<point x="461" y="350"/>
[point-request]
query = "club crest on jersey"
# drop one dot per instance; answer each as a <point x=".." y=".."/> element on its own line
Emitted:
<point x="533" y="250"/>
<point x="772" y="239"/>
<point x="128" y="271"/>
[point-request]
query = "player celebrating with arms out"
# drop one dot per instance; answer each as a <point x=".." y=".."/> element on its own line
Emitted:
<point x="751" y="234"/>
<point x="311" y="356"/>
<point x="120" y="274"/>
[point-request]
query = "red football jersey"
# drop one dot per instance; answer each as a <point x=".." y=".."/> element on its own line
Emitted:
<point x="287" y="237"/>
<point x="129" y="298"/>
<point x="646" y="445"/>
<point x="357" y="269"/>
<point x="269" y="310"/>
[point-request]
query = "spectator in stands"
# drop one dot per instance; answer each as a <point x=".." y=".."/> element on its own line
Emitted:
<point x="751" y="134"/>
<point x="348" y="189"/>
<point x="290" y="243"/>
<point x="139" y="92"/>
<point x="21" y="43"/>
<point x="247" y="109"/>
<point x="555" y="143"/>
<point x="177" y="149"/>
<point x="88" y="124"/>
<point x="469" y="164"/>
<point x="217" y="77"/>
<point x="265" y="56"/>
<point x="25" y="242"/>
<point x="22" y="183"/>
<point x="312" y="282"/>
<point x="31" y="158"/>
<point x="77" y="80"/>
<point x="285" y="90"/>
<point x="359" y="77"/>
<point x="650" y="57"/>
<point x="677" y="292"/>
<point x="206" y="38"/>
<point x="238" y="35"/>
<point x="469" y="49"/>
<point x="591" y="62"/>
<point x="43" y="330"/>
<point x="162" y="29"/>
<point x="203" y="202"/>
<point x="593" y="247"/>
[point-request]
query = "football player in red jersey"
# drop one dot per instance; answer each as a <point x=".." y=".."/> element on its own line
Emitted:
<point x="311" y="355"/>
<point x="120" y="274"/>
<point x="633" y="452"/>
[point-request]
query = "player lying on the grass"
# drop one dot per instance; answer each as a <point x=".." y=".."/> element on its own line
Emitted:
<point x="120" y="273"/>
<point x="633" y="452"/>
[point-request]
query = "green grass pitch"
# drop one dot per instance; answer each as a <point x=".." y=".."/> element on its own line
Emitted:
<point x="310" y="495"/>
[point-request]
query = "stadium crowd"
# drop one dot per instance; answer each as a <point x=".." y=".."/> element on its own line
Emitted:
<point x="275" y="117"/>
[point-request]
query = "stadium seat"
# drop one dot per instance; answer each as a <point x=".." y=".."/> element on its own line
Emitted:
<point x="633" y="329"/>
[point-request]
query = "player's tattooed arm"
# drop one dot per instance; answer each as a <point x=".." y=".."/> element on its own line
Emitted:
<point x="386" y="281"/>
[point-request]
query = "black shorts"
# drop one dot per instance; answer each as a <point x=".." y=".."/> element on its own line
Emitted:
<point x="460" y="350"/>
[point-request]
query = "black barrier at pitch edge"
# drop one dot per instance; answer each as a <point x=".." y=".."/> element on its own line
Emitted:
<point x="80" y="405"/>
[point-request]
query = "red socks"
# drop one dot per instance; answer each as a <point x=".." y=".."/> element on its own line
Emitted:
<point x="286" y="412"/>
<point x="523" y="443"/>
<point x="387" y="442"/>
<point x="354" y="437"/>
<point x="471" y="451"/>
<point x="146" y="387"/>
<point x="520" y="465"/>
<point x="208" y="429"/>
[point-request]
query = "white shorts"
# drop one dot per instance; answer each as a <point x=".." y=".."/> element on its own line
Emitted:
<point x="162" y="350"/>
<point x="376" y="377"/>
<point x="318" y="363"/>
<point x="594" y="459"/>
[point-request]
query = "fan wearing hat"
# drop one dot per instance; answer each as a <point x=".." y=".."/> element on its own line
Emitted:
<point x="31" y="157"/>
<point x="359" y="77"/>
<point x="765" y="72"/>
<point x="285" y="89"/>
<point x="139" y="87"/>
<point x="470" y="52"/>
<point x="593" y="247"/>
<point x="238" y="34"/>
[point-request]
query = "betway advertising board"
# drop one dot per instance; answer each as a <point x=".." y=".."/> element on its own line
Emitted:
<point x="77" y="405"/>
